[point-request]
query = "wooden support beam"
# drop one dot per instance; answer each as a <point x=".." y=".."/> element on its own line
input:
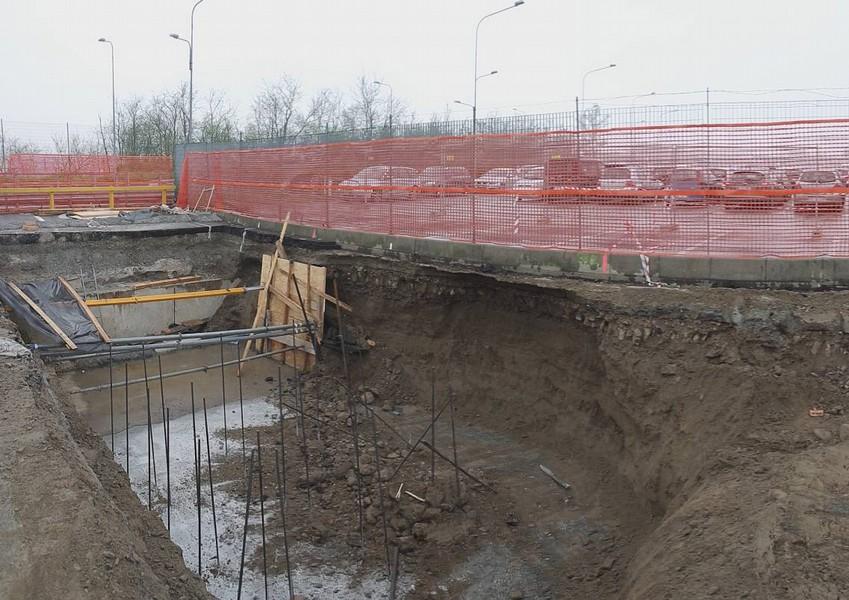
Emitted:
<point x="56" y="329"/>
<point x="262" y="303"/>
<point x="102" y="332"/>
<point x="328" y="297"/>
<point x="123" y="300"/>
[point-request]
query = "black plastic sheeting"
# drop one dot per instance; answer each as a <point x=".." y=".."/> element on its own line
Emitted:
<point x="52" y="297"/>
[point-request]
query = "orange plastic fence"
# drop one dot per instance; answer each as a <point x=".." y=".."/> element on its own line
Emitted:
<point x="77" y="171"/>
<point x="747" y="189"/>
<point x="29" y="170"/>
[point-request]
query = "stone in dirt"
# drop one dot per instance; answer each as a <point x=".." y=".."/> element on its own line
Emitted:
<point x="823" y="434"/>
<point x="669" y="370"/>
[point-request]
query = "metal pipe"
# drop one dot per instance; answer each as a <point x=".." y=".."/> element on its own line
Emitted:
<point x="200" y="334"/>
<point x="176" y="336"/>
<point x="58" y="356"/>
<point x="95" y="388"/>
<point x="245" y="528"/>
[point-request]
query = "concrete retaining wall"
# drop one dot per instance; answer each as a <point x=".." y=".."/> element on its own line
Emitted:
<point x="822" y="272"/>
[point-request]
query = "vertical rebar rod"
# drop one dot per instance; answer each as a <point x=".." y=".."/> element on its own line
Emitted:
<point x="223" y="391"/>
<point x="432" y="426"/>
<point x="211" y="490"/>
<point x="302" y="428"/>
<point x="111" y="404"/>
<point x="307" y="321"/>
<point x="341" y="333"/>
<point x="262" y="514"/>
<point x="282" y="429"/>
<point x="393" y="578"/>
<point x="380" y="493"/>
<point x="162" y="403"/>
<point x="245" y="529"/>
<point x="355" y="426"/>
<point x="127" y="414"/>
<point x="197" y="452"/>
<point x="352" y="411"/>
<point x="241" y="398"/>
<point x="282" y="505"/>
<point x="454" y="445"/>
<point x="168" y="465"/>
<point x="150" y="450"/>
<point x="149" y="440"/>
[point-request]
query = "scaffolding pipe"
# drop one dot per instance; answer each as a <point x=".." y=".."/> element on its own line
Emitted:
<point x="173" y="345"/>
<point x="217" y="365"/>
<point x="146" y="339"/>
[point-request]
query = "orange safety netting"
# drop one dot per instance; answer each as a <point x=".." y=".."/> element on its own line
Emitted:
<point x="751" y="190"/>
<point x="27" y="170"/>
<point x="82" y="171"/>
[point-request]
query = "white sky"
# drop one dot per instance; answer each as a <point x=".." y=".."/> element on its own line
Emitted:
<point x="55" y="71"/>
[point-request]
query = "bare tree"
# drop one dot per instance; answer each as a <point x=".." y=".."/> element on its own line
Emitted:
<point x="275" y="109"/>
<point x="365" y="111"/>
<point x="219" y="120"/>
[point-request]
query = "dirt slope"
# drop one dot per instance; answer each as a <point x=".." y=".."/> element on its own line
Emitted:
<point x="680" y="417"/>
<point x="70" y="527"/>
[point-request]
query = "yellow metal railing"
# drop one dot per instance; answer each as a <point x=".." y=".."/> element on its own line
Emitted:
<point x="110" y="191"/>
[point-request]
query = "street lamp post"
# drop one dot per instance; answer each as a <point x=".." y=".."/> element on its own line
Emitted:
<point x="391" y="98"/>
<point x="191" y="43"/>
<point x="114" y="136"/>
<point x="477" y="31"/>
<point x="584" y="78"/>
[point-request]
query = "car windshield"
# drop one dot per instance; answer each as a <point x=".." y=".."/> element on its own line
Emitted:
<point x="404" y="172"/>
<point x="818" y="177"/>
<point x="498" y="173"/>
<point x="371" y="173"/>
<point x="746" y="178"/>
<point x="684" y="175"/>
<point x="616" y="173"/>
<point x="532" y="172"/>
<point x="444" y="171"/>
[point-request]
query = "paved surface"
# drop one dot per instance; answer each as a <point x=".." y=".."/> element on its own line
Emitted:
<point x="680" y="228"/>
<point x="130" y="221"/>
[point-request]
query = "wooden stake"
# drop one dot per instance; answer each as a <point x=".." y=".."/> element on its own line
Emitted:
<point x="56" y="329"/>
<point x="263" y="296"/>
<point x="102" y="332"/>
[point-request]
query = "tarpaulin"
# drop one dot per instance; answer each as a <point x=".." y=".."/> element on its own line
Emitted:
<point x="52" y="297"/>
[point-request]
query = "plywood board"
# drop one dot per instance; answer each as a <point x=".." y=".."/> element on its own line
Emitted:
<point x="284" y="307"/>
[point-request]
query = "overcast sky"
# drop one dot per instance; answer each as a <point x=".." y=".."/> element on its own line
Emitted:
<point x="55" y="71"/>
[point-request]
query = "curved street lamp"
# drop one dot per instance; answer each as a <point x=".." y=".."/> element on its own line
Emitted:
<point x="114" y="135"/>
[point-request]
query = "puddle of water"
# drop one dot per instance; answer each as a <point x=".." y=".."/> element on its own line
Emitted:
<point x="94" y="406"/>
<point x="336" y="578"/>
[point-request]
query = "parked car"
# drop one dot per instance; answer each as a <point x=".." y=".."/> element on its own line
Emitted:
<point x="747" y="180"/>
<point x="379" y="177"/>
<point x="628" y="178"/>
<point x="530" y="178"/>
<point x="686" y="179"/>
<point x="500" y="178"/>
<point x="820" y="202"/>
<point x="443" y="177"/>
<point x="714" y="179"/>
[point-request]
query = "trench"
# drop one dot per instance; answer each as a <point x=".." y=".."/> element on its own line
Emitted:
<point x="665" y="419"/>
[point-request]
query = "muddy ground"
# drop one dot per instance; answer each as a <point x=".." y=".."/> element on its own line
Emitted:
<point x="679" y="417"/>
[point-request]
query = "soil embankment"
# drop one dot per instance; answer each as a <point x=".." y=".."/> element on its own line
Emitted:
<point x="71" y="526"/>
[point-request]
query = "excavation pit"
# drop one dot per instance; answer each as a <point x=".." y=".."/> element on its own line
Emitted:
<point x="678" y="418"/>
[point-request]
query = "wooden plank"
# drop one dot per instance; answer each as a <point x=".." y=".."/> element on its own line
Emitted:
<point x="122" y="300"/>
<point x="326" y="296"/>
<point x="56" y="329"/>
<point x="102" y="332"/>
<point x="263" y="297"/>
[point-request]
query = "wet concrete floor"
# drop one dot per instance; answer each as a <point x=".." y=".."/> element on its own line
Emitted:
<point x="95" y="407"/>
